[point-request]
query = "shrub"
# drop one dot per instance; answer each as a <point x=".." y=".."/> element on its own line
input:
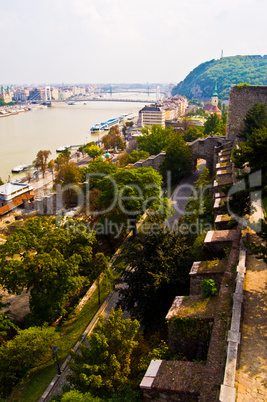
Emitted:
<point x="208" y="287"/>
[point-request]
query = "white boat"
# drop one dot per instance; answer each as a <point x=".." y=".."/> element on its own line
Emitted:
<point x="61" y="149"/>
<point x="20" y="168"/>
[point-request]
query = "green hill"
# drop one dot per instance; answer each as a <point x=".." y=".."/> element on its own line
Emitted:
<point x="200" y="82"/>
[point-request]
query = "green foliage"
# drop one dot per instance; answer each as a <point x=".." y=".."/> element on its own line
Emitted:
<point x="200" y="205"/>
<point x="225" y="71"/>
<point x="101" y="266"/>
<point x="82" y="147"/>
<point x="154" y="139"/>
<point x="208" y="287"/>
<point x="113" y="139"/>
<point x="77" y="396"/>
<point x="213" y="125"/>
<point x="104" y="366"/>
<point x="47" y="260"/>
<point x="251" y="153"/>
<point x="178" y="159"/>
<point x="98" y="168"/>
<point x="30" y="348"/>
<point x="133" y="157"/>
<point x="136" y="191"/>
<point x="256" y="118"/>
<point x="6" y="327"/>
<point x="93" y="151"/>
<point x="193" y="133"/>
<point x="160" y="261"/>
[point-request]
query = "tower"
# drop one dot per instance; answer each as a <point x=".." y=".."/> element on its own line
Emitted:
<point x="214" y="98"/>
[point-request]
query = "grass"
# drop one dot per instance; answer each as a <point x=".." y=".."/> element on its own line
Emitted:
<point x="35" y="383"/>
<point x="197" y="306"/>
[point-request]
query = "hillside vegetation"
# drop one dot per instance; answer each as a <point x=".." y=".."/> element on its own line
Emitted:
<point x="226" y="71"/>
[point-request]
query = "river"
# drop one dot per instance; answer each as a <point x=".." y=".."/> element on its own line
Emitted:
<point x="23" y="135"/>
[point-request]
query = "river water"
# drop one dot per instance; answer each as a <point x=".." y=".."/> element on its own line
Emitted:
<point x="23" y="135"/>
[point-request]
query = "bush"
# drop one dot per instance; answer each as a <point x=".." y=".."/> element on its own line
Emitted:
<point x="208" y="287"/>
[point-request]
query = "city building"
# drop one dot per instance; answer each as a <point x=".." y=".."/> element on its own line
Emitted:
<point x="6" y="94"/>
<point x="20" y="96"/>
<point x="37" y="94"/>
<point x="150" y="115"/>
<point x="13" y="195"/>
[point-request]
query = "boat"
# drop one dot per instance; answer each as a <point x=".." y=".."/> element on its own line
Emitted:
<point x="20" y="168"/>
<point x="97" y="128"/>
<point x="111" y="122"/>
<point x="105" y="126"/>
<point x="61" y="149"/>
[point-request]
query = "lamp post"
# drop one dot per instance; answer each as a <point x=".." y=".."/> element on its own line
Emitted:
<point x="55" y="349"/>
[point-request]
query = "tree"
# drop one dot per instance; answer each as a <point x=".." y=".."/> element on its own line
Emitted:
<point x="104" y="366"/>
<point x="213" y="125"/>
<point x="40" y="161"/>
<point x="178" y="159"/>
<point x="160" y="261"/>
<point x="201" y="207"/>
<point x="95" y="169"/>
<point x="67" y="173"/>
<point x="103" y="272"/>
<point x="256" y="118"/>
<point x="47" y="261"/>
<point x="29" y="349"/>
<point x="93" y="151"/>
<point x="193" y="133"/>
<point x="51" y="166"/>
<point x="133" y="157"/>
<point x="131" y="193"/>
<point x="111" y="140"/>
<point x="154" y="139"/>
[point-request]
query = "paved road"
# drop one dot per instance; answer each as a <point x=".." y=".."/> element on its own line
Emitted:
<point x="181" y="195"/>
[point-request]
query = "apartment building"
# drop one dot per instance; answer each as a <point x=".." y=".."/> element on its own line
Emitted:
<point x="150" y="115"/>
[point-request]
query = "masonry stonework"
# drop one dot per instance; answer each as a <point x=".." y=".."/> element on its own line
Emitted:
<point x="241" y="99"/>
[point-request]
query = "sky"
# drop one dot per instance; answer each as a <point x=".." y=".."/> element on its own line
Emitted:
<point x="123" y="41"/>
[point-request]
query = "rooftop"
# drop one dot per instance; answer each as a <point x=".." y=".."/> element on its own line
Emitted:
<point x="11" y="188"/>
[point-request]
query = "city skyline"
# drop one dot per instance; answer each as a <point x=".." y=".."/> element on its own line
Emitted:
<point x="115" y="41"/>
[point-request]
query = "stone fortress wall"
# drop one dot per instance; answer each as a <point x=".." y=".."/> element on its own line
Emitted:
<point x="241" y="99"/>
<point x="214" y="379"/>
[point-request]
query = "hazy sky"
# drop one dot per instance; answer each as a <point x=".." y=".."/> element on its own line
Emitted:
<point x="98" y="41"/>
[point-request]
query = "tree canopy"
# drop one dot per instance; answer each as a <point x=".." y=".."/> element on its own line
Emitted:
<point x="225" y="71"/>
<point x="47" y="260"/>
<point x="93" y="151"/>
<point x="154" y="139"/>
<point x="160" y="261"/>
<point x="41" y="159"/>
<point x="256" y="118"/>
<point x="178" y="159"/>
<point x="104" y="366"/>
<point x="213" y="125"/>
<point x="30" y="348"/>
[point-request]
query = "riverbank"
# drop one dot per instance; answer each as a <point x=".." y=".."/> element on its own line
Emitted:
<point x="24" y="134"/>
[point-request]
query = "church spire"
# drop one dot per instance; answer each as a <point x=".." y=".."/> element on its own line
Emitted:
<point x="215" y="93"/>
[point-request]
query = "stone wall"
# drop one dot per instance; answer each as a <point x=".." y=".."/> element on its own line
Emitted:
<point x="202" y="148"/>
<point x="241" y="99"/>
<point x="154" y="161"/>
